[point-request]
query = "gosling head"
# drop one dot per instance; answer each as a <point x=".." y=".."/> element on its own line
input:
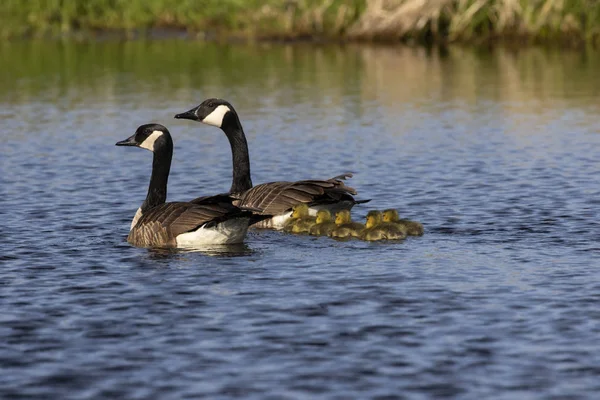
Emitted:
<point x="323" y="216"/>
<point x="390" y="215"/>
<point x="215" y="112"/>
<point x="342" y="217"/>
<point x="151" y="137"/>
<point x="373" y="218"/>
<point x="300" y="210"/>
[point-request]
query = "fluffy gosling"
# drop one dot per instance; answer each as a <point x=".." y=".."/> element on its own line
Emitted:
<point x="346" y="228"/>
<point x="412" y="228"/>
<point x="324" y="224"/>
<point x="376" y="229"/>
<point x="300" y="221"/>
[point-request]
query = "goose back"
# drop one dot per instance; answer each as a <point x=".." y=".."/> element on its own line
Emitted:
<point x="169" y="223"/>
<point x="277" y="198"/>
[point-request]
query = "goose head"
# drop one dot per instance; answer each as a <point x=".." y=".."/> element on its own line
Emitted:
<point x="212" y="111"/>
<point x="323" y="216"/>
<point x="151" y="137"/>
<point x="390" y="215"/>
<point x="342" y="217"/>
<point x="373" y="219"/>
<point x="300" y="211"/>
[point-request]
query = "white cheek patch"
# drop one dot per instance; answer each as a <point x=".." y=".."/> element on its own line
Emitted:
<point x="215" y="118"/>
<point x="149" y="142"/>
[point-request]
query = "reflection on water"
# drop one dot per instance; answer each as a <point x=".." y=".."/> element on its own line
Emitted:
<point x="426" y="78"/>
<point x="230" y="250"/>
<point x="495" y="151"/>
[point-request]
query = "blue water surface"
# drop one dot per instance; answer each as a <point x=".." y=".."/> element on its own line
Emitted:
<point x="495" y="152"/>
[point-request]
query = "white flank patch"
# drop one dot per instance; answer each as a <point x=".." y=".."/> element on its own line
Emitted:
<point x="149" y="142"/>
<point x="227" y="232"/>
<point x="138" y="215"/>
<point x="279" y="221"/>
<point x="215" y="118"/>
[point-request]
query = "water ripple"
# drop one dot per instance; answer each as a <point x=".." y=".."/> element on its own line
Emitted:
<point x="499" y="299"/>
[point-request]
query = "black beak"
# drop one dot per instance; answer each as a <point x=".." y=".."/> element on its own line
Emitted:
<point x="188" y="115"/>
<point x="130" y="141"/>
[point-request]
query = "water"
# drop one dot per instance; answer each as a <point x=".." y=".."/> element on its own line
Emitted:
<point x="496" y="152"/>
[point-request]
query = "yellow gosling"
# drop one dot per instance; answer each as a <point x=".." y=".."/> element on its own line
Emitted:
<point x="413" y="228"/>
<point x="298" y="211"/>
<point x="300" y="221"/>
<point x="324" y="224"/>
<point x="376" y="229"/>
<point x="346" y="228"/>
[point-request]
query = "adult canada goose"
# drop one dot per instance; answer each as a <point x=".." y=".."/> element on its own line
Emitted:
<point x="413" y="228"/>
<point x="300" y="220"/>
<point x="215" y="220"/>
<point x="324" y="224"/>
<point x="346" y="228"/>
<point x="376" y="229"/>
<point x="275" y="199"/>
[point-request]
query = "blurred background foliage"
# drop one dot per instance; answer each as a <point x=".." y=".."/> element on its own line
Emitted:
<point x="570" y="21"/>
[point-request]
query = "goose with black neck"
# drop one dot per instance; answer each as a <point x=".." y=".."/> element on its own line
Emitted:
<point x="213" y="220"/>
<point x="274" y="199"/>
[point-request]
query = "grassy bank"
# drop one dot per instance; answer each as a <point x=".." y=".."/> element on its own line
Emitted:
<point x="569" y="21"/>
<point x="239" y="18"/>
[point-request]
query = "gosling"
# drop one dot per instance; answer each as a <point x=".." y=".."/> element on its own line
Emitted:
<point x="413" y="228"/>
<point x="324" y="224"/>
<point x="346" y="228"/>
<point x="300" y="221"/>
<point x="376" y="229"/>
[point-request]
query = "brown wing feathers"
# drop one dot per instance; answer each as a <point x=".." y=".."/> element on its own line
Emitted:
<point x="162" y="224"/>
<point x="278" y="197"/>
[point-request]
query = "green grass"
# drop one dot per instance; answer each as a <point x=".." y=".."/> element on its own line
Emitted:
<point x="237" y="17"/>
<point x="41" y="17"/>
<point x="439" y="21"/>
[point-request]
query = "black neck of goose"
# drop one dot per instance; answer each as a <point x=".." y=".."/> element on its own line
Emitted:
<point x="161" y="166"/>
<point x="232" y="127"/>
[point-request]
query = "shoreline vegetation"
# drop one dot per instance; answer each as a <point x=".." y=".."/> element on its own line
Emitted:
<point x="567" y="22"/>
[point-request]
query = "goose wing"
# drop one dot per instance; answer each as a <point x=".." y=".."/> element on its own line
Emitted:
<point x="275" y="198"/>
<point x="226" y="200"/>
<point x="162" y="224"/>
<point x="223" y="198"/>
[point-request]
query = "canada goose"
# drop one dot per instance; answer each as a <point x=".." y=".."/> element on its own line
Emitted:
<point x="376" y="229"/>
<point x="215" y="220"/>
<point x="274" y="198"/>
<point x="346" y="228"/>
<point x="300" y="221"/>
<point x="324" y="224"/>
<point x="413" y="228"/>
